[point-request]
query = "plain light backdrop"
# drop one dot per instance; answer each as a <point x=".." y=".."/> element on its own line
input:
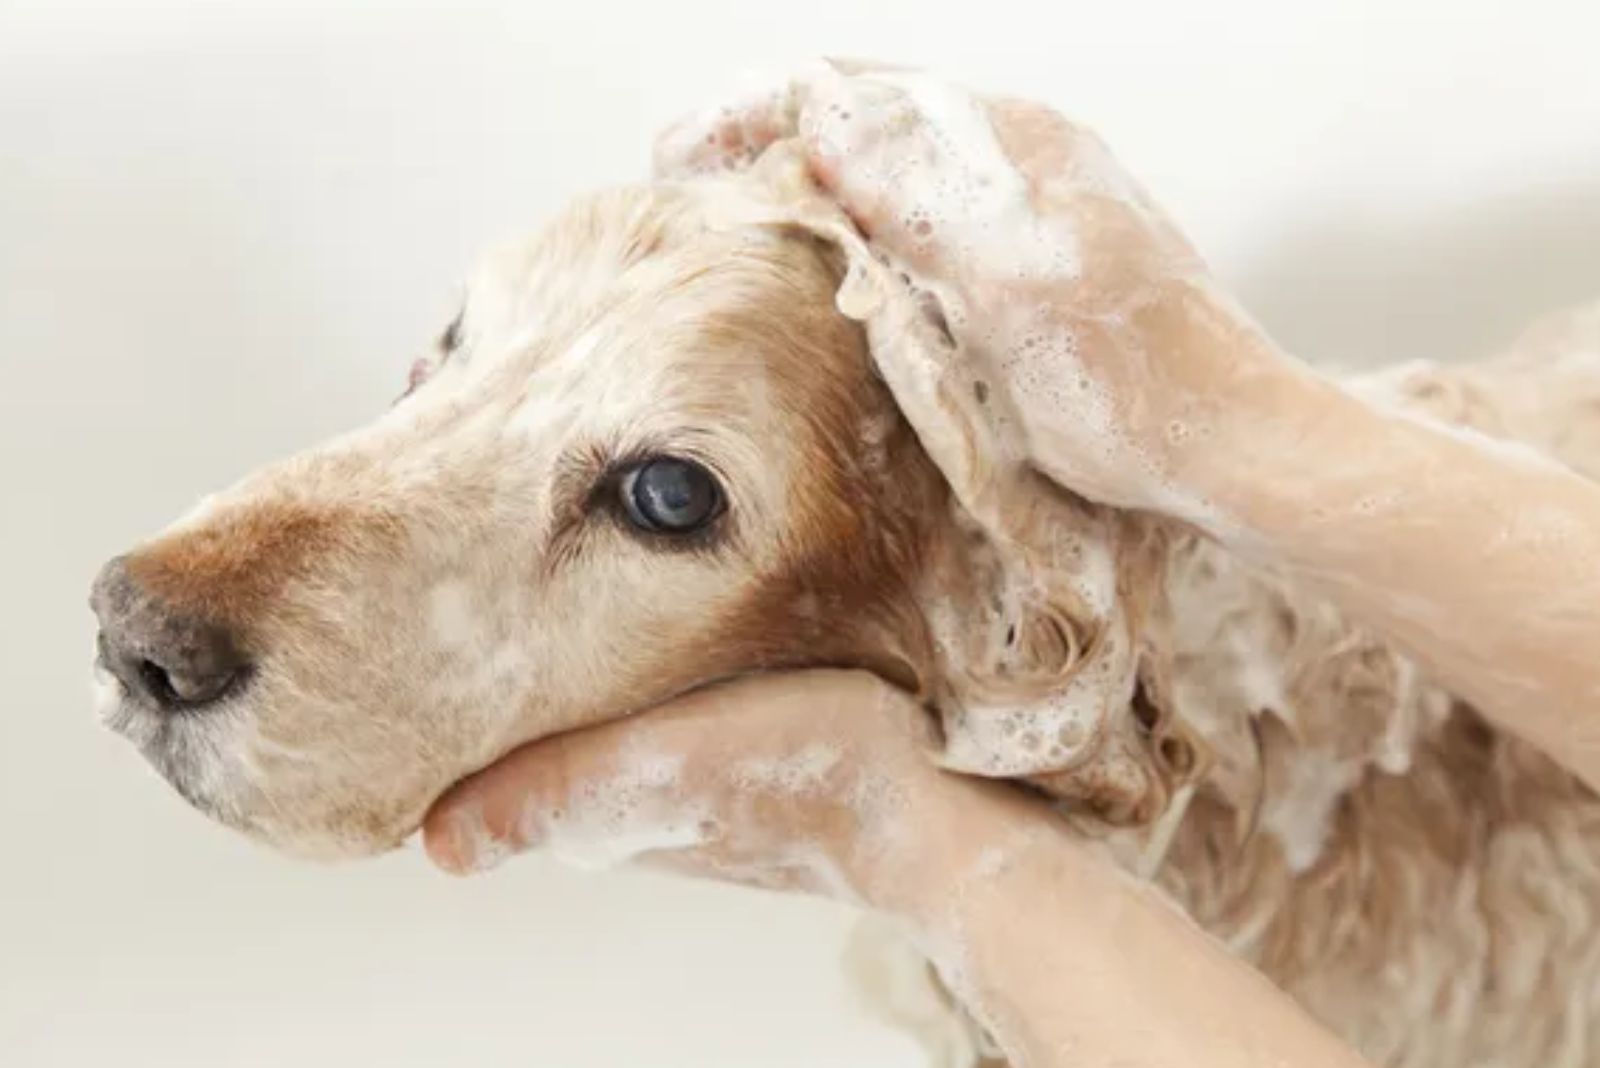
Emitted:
<point x="225" y="228"/>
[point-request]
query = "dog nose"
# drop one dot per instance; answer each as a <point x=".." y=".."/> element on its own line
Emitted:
<point x="164" y="657"/>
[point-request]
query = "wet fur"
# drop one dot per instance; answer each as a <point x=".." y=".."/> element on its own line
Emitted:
<point x="1426" y="885"/>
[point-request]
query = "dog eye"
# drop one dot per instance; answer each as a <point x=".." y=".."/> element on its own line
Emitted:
<point x="670" y="496"/>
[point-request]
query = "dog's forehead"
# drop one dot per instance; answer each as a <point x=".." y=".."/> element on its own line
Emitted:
<point x="640" y="295"/>
<point x="605" y="255"/>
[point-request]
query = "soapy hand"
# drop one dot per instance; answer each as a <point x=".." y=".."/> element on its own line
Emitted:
<point x="816" y="782"/>
<point x="1092" y="332"/>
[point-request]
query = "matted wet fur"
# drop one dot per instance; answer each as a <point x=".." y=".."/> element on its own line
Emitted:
<point x="421" y="596"/>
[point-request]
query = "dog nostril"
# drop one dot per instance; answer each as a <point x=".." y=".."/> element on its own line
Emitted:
<point x="156" y="682"/>
<point x="163" y="657"/>
<point x="176" y="688"/>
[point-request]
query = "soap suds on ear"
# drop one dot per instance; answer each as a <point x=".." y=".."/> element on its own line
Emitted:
<point x="1054" y="730"/>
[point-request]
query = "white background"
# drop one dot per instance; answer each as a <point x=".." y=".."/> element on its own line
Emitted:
<point x="226" y="227"/>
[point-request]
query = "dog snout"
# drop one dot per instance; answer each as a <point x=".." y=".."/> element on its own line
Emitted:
<point x="167" y="659"/>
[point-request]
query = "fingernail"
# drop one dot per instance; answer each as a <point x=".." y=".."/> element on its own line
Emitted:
<point x="465" y="847"/>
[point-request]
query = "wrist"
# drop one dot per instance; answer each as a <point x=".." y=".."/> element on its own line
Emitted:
<point x="964" y="838"/>
<point x="1295" y="455"/>
<point x="1269" y="421"/>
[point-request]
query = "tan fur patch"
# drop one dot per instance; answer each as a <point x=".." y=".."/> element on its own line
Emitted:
<point x="228" y="569"/>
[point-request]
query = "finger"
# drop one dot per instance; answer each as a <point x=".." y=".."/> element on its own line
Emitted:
<point x="483" y="819"/>
<point x="619" y="786"/>
<point x="902" y="172"/>
<point x="642" y="783"/>
<point x="853" y="129"/>
<point x="730" y="136"/>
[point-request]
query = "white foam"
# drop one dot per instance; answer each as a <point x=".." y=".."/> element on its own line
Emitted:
<point x="959" y="192"/>
<point x="617" y="819"/>
<point x="800" y="773"/>
<point x="1048" y="731"/>
<point x="974" y="193"/>
<point x="1300" y="816"/>
<point x="1093" y="569"/>
<point x="884" y="814"/>
<point x="583" y="847"/>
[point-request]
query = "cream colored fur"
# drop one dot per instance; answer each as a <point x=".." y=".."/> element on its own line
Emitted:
<point x="425" y="594"/>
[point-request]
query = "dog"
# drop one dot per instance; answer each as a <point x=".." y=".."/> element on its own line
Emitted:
<point x="651" y="453"/>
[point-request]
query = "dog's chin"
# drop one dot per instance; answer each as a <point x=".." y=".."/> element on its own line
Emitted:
<point x="329" y="845"/>
<point x="193" y="754"/>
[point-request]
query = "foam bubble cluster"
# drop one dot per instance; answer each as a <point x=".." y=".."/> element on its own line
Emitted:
<point x="961" y="190"/>
<point x="803" y="772"/>
<point x="610" y="821"/>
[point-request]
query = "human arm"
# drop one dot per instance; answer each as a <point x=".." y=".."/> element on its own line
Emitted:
<point x="820" y="782"/>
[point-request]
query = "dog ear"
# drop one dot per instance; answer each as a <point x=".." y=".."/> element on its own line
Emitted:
<point x="1043" y="661"/>
<point x="1049" y="666"/>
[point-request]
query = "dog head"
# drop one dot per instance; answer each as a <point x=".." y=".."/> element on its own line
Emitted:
<point x="649" y="454"/>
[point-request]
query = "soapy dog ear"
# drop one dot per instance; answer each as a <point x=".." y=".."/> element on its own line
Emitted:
<point x="1042" y="609"/>
<point x="1042" y="664"/>
<point x="1048" y="665"/>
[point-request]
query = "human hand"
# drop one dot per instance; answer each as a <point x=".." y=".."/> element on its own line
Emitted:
<point x="1116" y="364"/>
<point x="816" y="781"/>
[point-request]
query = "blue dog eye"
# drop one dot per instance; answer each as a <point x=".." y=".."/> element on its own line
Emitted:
<point x="670" y="496"/>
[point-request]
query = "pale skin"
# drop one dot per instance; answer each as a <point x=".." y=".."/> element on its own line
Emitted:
<point x="1196" y="414"/>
